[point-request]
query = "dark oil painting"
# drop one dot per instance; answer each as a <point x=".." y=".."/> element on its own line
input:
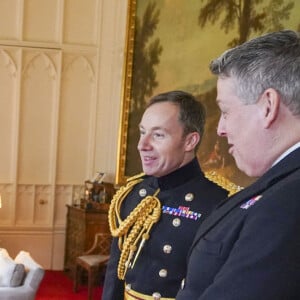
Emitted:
<point x="170" y="44"/>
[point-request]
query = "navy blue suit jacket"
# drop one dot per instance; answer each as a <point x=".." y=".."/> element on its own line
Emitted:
<point x="249" y="247"/>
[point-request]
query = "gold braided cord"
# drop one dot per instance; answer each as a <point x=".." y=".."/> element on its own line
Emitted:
<point x="220" y="180"/>
<point x="135" y="228"/>
<point x="114" y="209"/>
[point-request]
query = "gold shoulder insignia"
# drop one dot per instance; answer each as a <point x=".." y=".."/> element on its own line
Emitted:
<point x="137" y="176"/>
<point x="223" y="182"/>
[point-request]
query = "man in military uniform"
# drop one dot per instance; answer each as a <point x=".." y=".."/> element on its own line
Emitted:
<point x="155" y="216"/>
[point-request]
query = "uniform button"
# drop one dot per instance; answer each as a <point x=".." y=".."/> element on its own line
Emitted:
<point x="182" y="285"/>
<point x="176" y="222"/>
<point x="167" y="249"/>
<point x="163" y="273"/>
<point x="156" y="296"/>
<point x="142" y="192"/>
<point x="189" y="197"/>
<point x="128" y="287"/>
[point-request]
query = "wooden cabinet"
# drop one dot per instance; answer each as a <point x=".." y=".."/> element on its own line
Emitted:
<point x="82" y="224"/>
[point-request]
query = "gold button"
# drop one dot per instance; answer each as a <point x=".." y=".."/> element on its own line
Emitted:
<point x="176" y="222"/>
<point x="189" y="197"/>
<point x="142" y="192"/>
<point x="167" y="249"/>
<point x="156" y="296"/>
<point x="163" y="273"/>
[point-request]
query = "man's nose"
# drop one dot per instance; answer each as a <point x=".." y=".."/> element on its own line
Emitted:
<point x="221" y="128"/>
<point x="144" y="143"/>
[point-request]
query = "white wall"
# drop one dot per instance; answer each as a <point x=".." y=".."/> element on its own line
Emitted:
<point x="61" y="76"/>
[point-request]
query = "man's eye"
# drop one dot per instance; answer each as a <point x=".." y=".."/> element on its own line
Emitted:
<point x="158" y="135"/>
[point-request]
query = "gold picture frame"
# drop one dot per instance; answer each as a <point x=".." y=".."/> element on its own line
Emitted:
<point x="126" y="93"/>
<point x="192" y="41"/>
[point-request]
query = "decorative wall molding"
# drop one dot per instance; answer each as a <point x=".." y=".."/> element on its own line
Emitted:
<point x="9" y="62"/>
<point x="49" y="65"/>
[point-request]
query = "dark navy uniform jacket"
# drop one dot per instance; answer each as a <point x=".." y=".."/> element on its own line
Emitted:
<point x="249" y="247"/>
<point x="162" y="262"/>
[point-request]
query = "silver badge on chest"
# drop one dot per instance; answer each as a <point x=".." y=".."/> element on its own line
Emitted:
<point x="189" y="197"/>
<point x="142" y="192"/>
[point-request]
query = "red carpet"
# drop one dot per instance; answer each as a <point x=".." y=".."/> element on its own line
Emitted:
<point x="57" y="285"/>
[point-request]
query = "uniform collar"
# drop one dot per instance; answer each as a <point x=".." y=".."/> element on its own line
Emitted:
<point x="286" y="153"/>
<point x="178" y="177"/>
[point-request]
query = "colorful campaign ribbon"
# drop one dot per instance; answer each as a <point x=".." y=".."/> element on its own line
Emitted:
<point x="181" y="211"/>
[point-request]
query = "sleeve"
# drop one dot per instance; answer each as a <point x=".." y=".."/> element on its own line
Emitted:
<point x="113" y="287"/>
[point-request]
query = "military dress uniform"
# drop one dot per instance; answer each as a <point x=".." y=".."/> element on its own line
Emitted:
<point x="186" y="197"/>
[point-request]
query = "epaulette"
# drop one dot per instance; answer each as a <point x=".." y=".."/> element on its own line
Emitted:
<point x="223" y="182"/>
<point x="135" y="177"/>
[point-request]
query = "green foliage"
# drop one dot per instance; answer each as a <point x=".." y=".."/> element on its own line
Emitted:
<point x="249" y="16"/>
<point x="146" y="57"/>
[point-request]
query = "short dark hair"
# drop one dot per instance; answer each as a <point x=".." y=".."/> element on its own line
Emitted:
<point x="192" y="112"/>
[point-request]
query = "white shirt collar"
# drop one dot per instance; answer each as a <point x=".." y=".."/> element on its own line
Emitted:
<point x="286" y="153"/>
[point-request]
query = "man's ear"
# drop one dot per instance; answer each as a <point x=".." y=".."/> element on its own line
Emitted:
<point x="191" y="140"/>
<point x="270" y="102"/>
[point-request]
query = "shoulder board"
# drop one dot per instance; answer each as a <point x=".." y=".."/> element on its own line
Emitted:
<point x="223" y="182"/>
<point x="135" y="177"/>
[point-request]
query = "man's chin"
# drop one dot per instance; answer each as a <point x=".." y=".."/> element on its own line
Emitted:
<point x="239" y="165"/>
<point x="243" y="168"/>
<point x="148" y="171"/>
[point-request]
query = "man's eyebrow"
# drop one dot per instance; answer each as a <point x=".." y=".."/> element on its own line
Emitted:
<point x="154" y="128"/>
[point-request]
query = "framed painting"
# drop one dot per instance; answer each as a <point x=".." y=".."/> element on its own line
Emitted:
<point x="169" y="46"/>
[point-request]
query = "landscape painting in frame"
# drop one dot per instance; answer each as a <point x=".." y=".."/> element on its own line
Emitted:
<point x="170" y="44"/>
